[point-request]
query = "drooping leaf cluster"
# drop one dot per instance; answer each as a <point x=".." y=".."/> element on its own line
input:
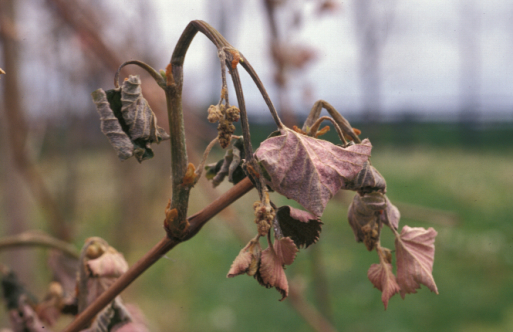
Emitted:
<point x="300" y="166"/>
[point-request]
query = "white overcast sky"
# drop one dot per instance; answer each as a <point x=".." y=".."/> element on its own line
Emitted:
<point x="420" y="65"/>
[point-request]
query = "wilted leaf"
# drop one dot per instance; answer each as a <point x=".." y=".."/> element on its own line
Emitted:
<point x="383" y="278"/>
<point x="363" y="216"/>
<point x="368" y="180"/>
<point x="231" y="165"/>
<point x="391" y="215"/>
<point x="310" y="170"/>
<point x="415" y="252"/>
<point x="111" y="126"/>
<point x="247" y="260"/>
<point x="271" y="272"/>
<point x="128" y="121"/>
<point x="302" y="227"/>
<point x="100" y="266"/>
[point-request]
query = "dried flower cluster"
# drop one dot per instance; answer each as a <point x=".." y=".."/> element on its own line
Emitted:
<point x="226" y="116"/>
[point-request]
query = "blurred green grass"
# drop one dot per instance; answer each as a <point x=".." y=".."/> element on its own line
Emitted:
<point x="188" y="290"/>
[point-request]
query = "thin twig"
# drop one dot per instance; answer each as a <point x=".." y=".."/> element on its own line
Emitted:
<point x="156" y="75"/>
<point x="37" y="239"/>
<point x="317" y="124"/>
<point x="339" y="119"/>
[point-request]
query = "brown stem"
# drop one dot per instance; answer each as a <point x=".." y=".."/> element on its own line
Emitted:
<point x="156" y="75"/>
<point x="38" y="239"/>
<point x="317" y="124"/>
<point x="196" y="222"/>
<point x="339" y="119"/>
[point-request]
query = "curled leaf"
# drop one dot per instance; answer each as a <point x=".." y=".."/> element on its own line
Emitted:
<point x="111" y="127"/>
<point x="310" y="170"/>
<point x="364" y="216"/>
<point x="368" y="180"/>
<point x="383" y="278"/>
<point x="247" y="260"/>
<point x="302" y="227"/>
<point x="271" y="272"/>
<point x="230" y="165"/>
<point x="415" y="252"/>
<point x="390" y="215"/>
<point x="128" y="121"/>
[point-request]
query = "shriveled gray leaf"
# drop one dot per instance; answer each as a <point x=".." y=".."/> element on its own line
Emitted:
<point x="128" y="121"/>
<point x="310" y="170"/>
<point x="230" y="165"/>
<point x="141" y="121"/>
<point x="111" y="127"/>
<point x="302" y="227"/>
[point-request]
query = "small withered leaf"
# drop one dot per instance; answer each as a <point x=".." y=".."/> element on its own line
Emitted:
<point x="368" y="180"/>
<point x="111" y="126"/>
<point x="364" y="216"/>
<point x="383" y="278"/>
<point x="310" y="170"/>
<point x="390" y="215"/>
<point x="128" y="121"/>
<point x="140" y="119"/>
<point x="415" y="253"/>
<point x="230" y="165"/>
<point x="301" y="226"/>
<point x="98" y="274"/>
<point x="247" y="261"/>
<point x="271" y="272"/>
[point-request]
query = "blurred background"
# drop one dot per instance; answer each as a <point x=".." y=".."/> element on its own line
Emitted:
<point x="429" y="82"/>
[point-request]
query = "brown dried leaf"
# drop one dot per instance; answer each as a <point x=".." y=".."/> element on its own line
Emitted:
<point x="415" y="252"/>
<point x="302" y="227"/>
<point x="310" y="170"/>
<point x="286" y="250"/>
<point x="247" y="260"/>
<point x="383" y="278"/>
<point x="271" y="272"/>
<point x="363" y="216"/>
